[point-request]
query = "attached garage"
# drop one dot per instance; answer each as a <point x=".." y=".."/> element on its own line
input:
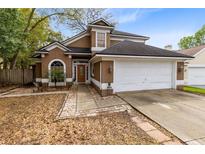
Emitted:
<point x="138" y="66"/>
<point x="196" y="75"/>
<point x="133" y="75"/>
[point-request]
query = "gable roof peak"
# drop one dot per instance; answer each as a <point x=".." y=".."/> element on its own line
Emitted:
<point x="100" y="22"/>
<point x="52" y="45"/>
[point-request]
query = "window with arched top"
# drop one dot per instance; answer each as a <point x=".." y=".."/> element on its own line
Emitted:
<point x="57" y="72"/>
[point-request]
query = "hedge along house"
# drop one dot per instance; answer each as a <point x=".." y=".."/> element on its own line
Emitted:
<point x="112" y="61"/>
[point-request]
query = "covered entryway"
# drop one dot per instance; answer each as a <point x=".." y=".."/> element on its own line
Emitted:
<point x="81" y="71"/>
<point x="131" y="75"/>
<point x="196" y="75"/>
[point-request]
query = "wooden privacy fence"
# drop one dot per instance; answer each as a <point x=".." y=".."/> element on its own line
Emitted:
<point x="16" y="76"/>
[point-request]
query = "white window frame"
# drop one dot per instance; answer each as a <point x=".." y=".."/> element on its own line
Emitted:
<point x="97" y="38"/>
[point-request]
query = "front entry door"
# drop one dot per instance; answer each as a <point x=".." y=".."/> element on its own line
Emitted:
<point x="81" y="73"/>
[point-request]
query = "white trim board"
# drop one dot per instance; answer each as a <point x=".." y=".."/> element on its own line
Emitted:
<point x="130" y="39"/>
<point x="69" y="80"/>
<point x="99" y="26"/>
<point x="54" y="45"/>
<point x="97" y="83"/>
<point x="139" y="57"/>
<point x="102" y="86"/>
<point x="57" y="84"/>
<point x="100" y="30"/>
<point x="78" y="53"/>
<point x="198" y="53"/>
<point x="193" y="65"/>
<point x="101" y="19"/>
<point x="97" y="48"/>
<point x="71" y="40"/>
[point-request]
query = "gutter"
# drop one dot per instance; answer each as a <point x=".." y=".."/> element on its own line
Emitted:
<point x="144" y="57"/>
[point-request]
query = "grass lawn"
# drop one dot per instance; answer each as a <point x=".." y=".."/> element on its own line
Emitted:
<point x="194" y="90"/>
<point x="31" y="120"/>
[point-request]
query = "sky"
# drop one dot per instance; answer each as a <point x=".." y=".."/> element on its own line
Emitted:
<point x="163" y="26"/>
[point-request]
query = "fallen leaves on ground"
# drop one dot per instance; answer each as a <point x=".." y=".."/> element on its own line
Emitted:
<point x="31" y="120"/>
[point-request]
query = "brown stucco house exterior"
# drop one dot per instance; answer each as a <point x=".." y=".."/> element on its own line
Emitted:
<point x="110" y="60"/>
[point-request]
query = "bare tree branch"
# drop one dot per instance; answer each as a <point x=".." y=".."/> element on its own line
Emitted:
<point x="44" y="18"/>
<point x="29" y="19"/>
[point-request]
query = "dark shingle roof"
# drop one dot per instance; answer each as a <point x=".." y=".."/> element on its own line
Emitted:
<point x="79" y="50"/>
<point x="131" y="48"/>
<point x="36" y="55"/>
<point x="116" y="32"/>
<point x="192" y="51"/>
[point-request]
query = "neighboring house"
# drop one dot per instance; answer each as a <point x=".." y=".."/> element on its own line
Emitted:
<point x="195" y="68"/>
<point x="112" y="61"/>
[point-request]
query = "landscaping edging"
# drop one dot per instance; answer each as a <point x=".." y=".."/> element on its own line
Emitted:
<point x="34" y="94"/>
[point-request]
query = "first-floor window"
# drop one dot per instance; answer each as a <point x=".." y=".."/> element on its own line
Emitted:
<point x="57" y="72"/>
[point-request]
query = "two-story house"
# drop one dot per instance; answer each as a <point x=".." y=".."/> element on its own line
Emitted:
<point x="111" y="60"/>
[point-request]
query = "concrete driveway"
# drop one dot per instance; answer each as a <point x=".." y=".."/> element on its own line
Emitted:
<point x="181" y="113"/>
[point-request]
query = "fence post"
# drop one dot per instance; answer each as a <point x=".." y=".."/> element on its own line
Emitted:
<point x="23" y="76"/>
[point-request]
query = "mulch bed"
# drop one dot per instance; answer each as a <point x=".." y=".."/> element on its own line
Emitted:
<point x="31" y="120"/>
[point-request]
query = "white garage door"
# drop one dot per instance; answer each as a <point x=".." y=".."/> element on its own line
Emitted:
<point x="135" y="75"/>
<point x="196" y="75"/>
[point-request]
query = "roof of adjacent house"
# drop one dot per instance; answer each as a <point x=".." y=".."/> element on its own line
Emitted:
<point x="192" y="51"/>
<point x="130" y="48"/>
<point x="117" y="32"/>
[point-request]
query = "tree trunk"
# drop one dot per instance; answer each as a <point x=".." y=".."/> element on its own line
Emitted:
<point x="13" y="61"/>
<point x="5" y="64"/>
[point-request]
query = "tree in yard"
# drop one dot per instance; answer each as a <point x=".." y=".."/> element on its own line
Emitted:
<point x="39" y="36"/>
<point x="82" y="17"/>
<point x="192" y="41"/>
<point x="28" y="29"/>
<point x="11" y="24"/>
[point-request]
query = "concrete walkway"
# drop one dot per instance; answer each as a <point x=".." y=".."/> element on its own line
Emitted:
<point x="181" y="113"/>
<point x="83" y="100"/>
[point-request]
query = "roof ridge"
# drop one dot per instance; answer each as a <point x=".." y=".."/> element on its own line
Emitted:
<point x="132" y="48"/>
<point x="72" y="37"/>
<point x="136" y="35"/>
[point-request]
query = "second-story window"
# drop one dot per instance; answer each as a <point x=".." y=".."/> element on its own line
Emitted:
<point x="101" y="39"/>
